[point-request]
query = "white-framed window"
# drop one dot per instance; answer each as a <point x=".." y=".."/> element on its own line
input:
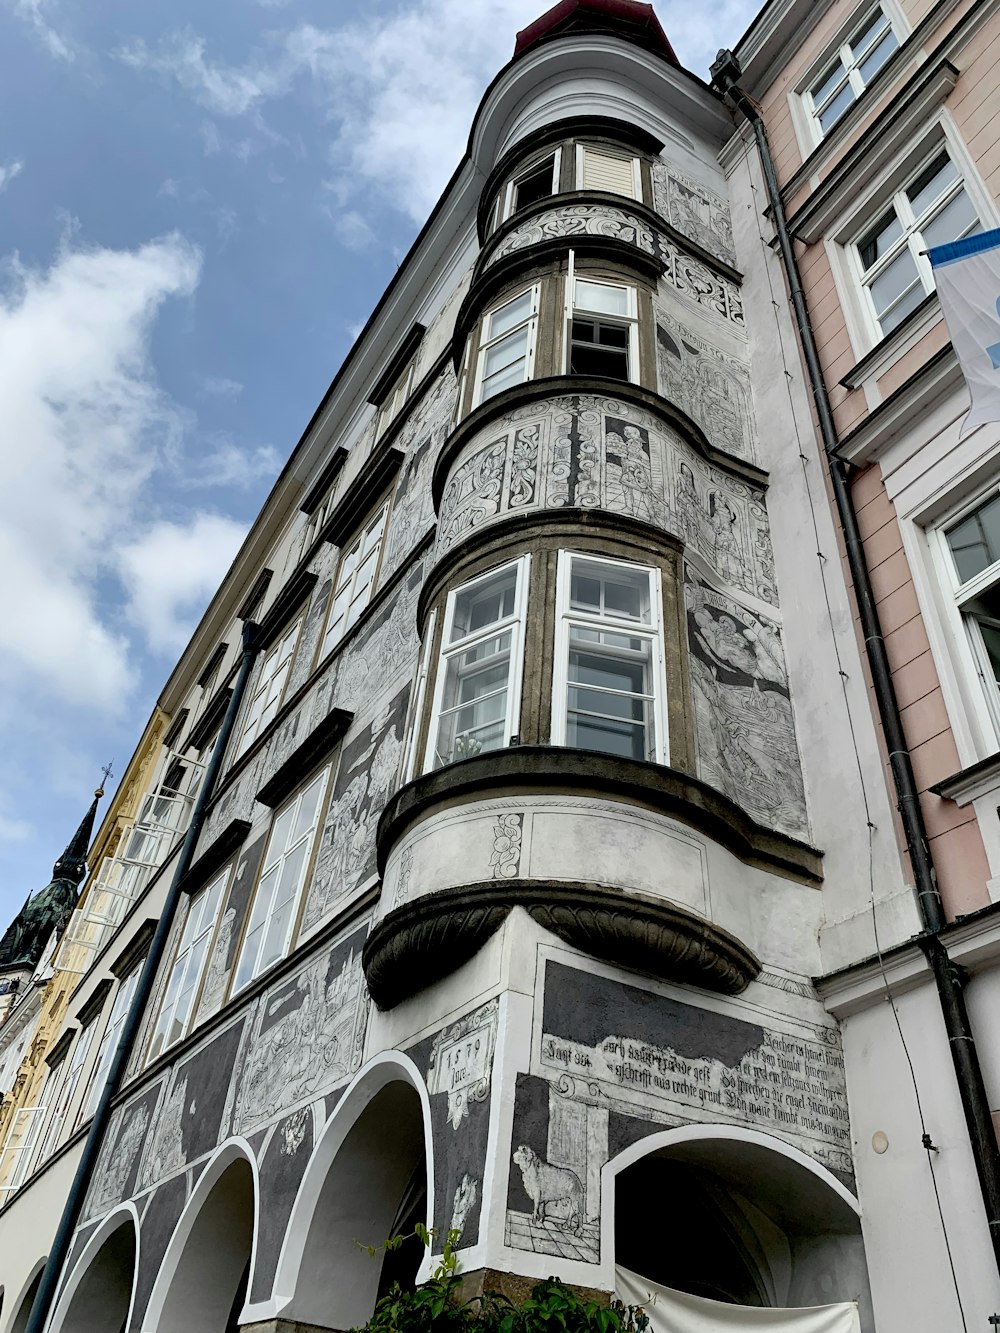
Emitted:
<point x="109" y="1043"/>
<point x="352" y="589"/>
<point x="279" y="889"/>
<point x="477" y="696"/>
<point x="534" y="182"/>
<point x="932" y="207"/>
<point x="66" y="1080"/>
<point x="396" y="399"/>
<point x="602" y="328"/>
<point x="969" y="543"/>
<point x="174" y="1019"/>
<point x="19" y="1147"/>
<point x="608" y="680"/>
<point x="604" y="169"/>
<point x="847" y="71"/>
<point x="270" y="688"/>
<point x="507" y="344"/>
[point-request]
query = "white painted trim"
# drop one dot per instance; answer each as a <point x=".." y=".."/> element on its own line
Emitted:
<point x="117" y="1218"/>
<point x="228" y="1152"/>
<point x="515" y="622"/>
<point x="530" y="323"/>
<point x="653" y="632"/>
<point x="385" y="1068"/>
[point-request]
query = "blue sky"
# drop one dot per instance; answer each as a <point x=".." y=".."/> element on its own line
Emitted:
<point x="199" y="206"/>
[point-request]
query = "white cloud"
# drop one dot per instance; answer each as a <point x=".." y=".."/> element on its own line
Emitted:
<point x="220" y="386"/>
<point x="172" y="571"/>
<point x="34" y="12"/>
<point x="399" y="89"/>
<point x="85" y="425"/>
<point x="225" y="463"/>
<point x="223" y="89"/>
<point x="8" y="172"/>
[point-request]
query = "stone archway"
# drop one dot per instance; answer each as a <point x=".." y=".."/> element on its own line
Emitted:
<point x="97" y="1295"/>
<point x="23" y="1308"/>
<point x="737" y="1217"/>
<point x="203" y="1280"/>
<point x="369" y="1179"/>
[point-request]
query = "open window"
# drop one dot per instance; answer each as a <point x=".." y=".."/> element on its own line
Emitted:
<point x="969" y="543"/>
<point x="537" y="181"/>
<point x="507" y="344"/>
<point x="478" y="691"/>
<point x="355" y="579"/>
<point x="284" y="871"/>
<point x="602" y="328"/>
<point x="193" y="951"/>
<point x="66" y="1081"/>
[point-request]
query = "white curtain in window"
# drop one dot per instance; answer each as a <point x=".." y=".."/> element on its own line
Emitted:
<point x="677" y="1312"/>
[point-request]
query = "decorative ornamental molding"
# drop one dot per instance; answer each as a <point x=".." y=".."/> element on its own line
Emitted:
<point x="428" y="939"/>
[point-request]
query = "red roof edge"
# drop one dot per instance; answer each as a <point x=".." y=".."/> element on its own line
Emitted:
<point x="628" y="19"/>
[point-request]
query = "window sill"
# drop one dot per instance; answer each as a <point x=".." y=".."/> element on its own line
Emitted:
<point x="979" y="779"/>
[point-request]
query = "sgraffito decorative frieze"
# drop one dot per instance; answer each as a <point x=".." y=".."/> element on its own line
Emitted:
<point x="607" y="1051"/>
<point x="694" y="210"/>
<point x="605" y="453"/>
<point x="707" y="383"/>
<point x="714" y="294"/>
<point x="578" y="220"/>
<point x="745" y="730"/>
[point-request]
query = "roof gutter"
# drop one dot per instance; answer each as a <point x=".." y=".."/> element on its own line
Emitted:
<point x="950" y="979"/>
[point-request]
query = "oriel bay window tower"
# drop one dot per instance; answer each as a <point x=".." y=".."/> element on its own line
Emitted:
<point x="542" y="807"/>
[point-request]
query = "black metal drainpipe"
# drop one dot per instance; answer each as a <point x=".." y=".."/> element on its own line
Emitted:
<point x="59" y="1253"/>
<point x="949" y="978"/>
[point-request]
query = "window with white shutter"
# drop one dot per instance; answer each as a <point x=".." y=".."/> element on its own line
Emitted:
<point x="600" y="169"/>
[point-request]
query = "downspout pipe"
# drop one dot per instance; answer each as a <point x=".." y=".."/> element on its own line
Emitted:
<point x="52" y="1272"/>
<point x="949" y="979"/>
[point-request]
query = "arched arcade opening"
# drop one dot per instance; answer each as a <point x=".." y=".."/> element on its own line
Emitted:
<point x="97" y="1297"/>
<point x="368" y="1181"/>
<point x="740" y="1220"/>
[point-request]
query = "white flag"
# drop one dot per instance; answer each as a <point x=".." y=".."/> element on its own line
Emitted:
<point x="967" y="275"/>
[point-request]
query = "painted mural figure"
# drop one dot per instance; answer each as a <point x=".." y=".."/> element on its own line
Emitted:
<point x="545" y="1184"/>
<point x="688" y="506"/>
<point x="726" y="546"/>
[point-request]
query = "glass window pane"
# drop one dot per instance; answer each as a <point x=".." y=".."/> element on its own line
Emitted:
<point x="484" y="603"/>
<point x="956" y="219"/>
<point x="975" y="542"/>
<point x="931" y="182"/>
<point x="506" y="352"/>
<point x="882" y="236"/>
<point x="991" y="642"/>
<point x="601" y="297"/>
<point x="836" y="107"/>
<point x="893" y="281"/>
<point x="610" y="590"/>
<point x="893" y="317"/>
<point x="822" y="89"/>
<point x="291" y="874"/>
<point x="868" y="33"/>
<point x="514" y="312"/>
<point x="506" y="378"/>
<point x="628" y="740"/>
<point x="877" y="57"/>
<point x="606" y="672"/>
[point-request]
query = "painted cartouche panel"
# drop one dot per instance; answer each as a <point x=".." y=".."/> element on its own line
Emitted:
<point x="283" y="1163"/>
<point x="596" y="452"/>
<point x="458" y="1066"/>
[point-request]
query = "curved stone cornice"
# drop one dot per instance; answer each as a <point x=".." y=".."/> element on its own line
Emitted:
<point x="507" y="270"/>
<point x="423" y="941"/>
<point x="540" y="768"/>
<point x="554" y="133"/>
<point x="524" y="530"/>
<point x="561" y="386"/>
<point x="618" y="205"/>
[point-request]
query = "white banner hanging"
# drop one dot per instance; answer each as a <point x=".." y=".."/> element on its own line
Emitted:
<point x="967" y="276"/>
<point x="676" y="1312"/>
